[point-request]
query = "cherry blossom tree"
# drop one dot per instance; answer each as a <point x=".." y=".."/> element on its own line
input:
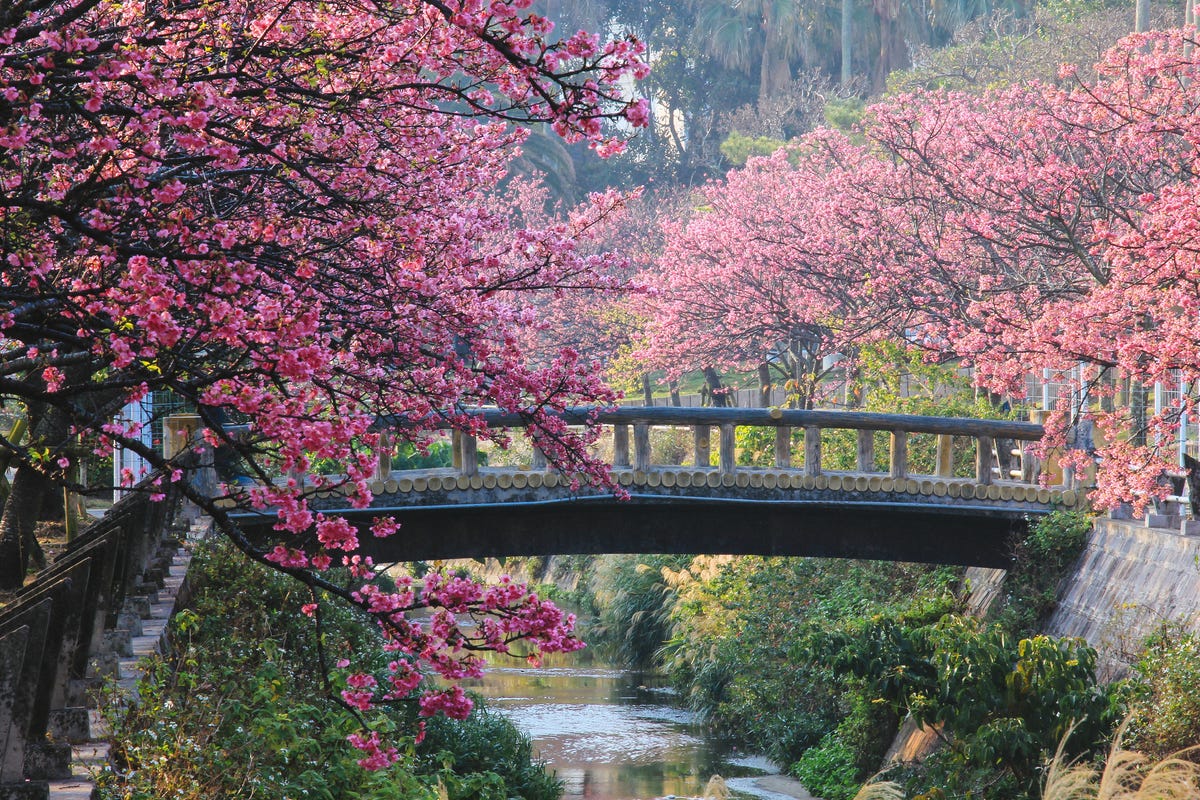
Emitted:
<point x="1029" y="229"/>
<point x="763" y="273"/>
<point x="275" y="211"/>
<point x="1040" y="231"/>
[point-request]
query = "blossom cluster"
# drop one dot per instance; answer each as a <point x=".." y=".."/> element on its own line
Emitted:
<point x="280" y="213"/>
<point x="1036" y="229"/>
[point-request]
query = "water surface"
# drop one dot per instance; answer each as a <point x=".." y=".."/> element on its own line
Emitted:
<point x="611" y="734"/>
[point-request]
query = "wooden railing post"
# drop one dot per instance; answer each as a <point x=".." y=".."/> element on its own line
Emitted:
<point x="468" y="458"/>
<point x="728" y="459"/>
<point x="456" y="449"/>
<point x="383" y="456"/>
<point x="944" y="467"/>
<point x="1031" y="465"/>
<point x="899" y="454"/>
<point x="621" y="446"/>
<point x="783" y="447"/>
<point x="701" y="446"/>
<point x="983" y="460"/>
<point x="864" y="460"/>
<point x="641" y="446"/>
<point x="812" y="450"/>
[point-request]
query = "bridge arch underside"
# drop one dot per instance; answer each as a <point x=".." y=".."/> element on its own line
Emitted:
<point x="889" y="531"/>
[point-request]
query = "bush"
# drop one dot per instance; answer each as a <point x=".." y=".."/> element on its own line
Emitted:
<point x="239" y="707"/>
<point x="1165" y="710"/>
<point x="1040" y="561"/>
<point x="829" y="770"/>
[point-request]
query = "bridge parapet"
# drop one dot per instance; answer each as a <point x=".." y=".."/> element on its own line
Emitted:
<point x="798" y="474"/>
<point x="410" y="488"/>
<point x="796" y="507"/>
<point x="994" y="442"/>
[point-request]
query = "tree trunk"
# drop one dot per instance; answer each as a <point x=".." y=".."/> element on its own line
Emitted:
<point x="676" y="400"/>
<point x="18" y="522"/>
<point x="18" y="545"/>
<point x="847" y="42"/>
<point x="764" y="385"/>
<point x="854" y="389"/>
<point x="775" y="73"/>
<point x="720" y="399"/>
<point x="647" y="390"/>
<point x="893" y="50"/>
<point x="1141" y="19"/>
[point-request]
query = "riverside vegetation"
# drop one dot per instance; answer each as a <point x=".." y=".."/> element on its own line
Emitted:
<point x="816" y="662"/>
<point x="241" y="705"/>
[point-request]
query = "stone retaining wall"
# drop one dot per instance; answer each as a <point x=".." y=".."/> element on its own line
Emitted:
<point x="1129" y="580"/>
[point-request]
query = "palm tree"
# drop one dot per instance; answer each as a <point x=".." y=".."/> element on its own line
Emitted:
<point x="545" y="157"/>
<point x="769" y="34"/>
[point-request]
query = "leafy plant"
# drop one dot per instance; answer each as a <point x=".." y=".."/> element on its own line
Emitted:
<point x="1040" y="561"/>
<point x="241" y="706"/>
<point x="1165" y="709"/>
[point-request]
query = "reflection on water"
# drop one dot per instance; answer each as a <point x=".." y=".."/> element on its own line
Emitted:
<point x="606" y="733"/>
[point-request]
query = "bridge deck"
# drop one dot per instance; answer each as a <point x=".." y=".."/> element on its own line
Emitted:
<point x="513" y="512"/>
<point x="474" y="511"/>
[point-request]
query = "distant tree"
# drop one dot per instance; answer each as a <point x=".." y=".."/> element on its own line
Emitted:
<point x="762" y="35"/>
<point x="761" y="272"/>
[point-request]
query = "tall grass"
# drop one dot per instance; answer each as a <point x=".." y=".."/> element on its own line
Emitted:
<point x="1126" y="775"/>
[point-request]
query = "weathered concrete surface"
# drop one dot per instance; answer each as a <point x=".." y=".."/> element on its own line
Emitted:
<point x="986" y="586"/>
<point x="772" y="787"/>
<point x="678" y="510"/>
<point x="1129" y="580"/>
<point x="90" y="752"/>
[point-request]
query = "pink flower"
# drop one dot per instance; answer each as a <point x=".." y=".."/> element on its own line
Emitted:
<point x="452" y="702"/>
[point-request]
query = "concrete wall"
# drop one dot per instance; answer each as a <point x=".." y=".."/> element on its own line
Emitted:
<point x="1129" y="580"/>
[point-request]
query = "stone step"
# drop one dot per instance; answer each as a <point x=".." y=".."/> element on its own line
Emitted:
<point x="144" y="624"/>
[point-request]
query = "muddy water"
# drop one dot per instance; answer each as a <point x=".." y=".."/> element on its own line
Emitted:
<point x="611" y="734"/>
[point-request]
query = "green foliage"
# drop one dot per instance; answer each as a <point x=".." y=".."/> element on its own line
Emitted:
<point x="737" y="624"/>
<point x="738" y="149"/>
<point x="239" y="707"/>
<point x="889" y="378"/>
<point x="1041" y="560"/>
<point x="836" y="767"/>
<point x="828" y="770"/>
<point x="634" y="605"/>
<point x="756" y="446"/>
<point x="488" y="752"/>
<point x="438" y="454"/>
<point x="1165" y="710"/>
<point x="1003" y="705"/>
<point x="844" y="113"/>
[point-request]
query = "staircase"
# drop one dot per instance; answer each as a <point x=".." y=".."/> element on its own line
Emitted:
<point x="85" y="619"/>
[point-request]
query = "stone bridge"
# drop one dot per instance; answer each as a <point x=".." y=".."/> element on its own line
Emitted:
<point x="957" y="513"/>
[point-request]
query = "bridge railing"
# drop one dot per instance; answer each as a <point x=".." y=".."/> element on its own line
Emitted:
<point x="994" y="439"/>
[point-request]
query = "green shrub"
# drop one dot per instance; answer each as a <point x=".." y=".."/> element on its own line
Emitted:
<point x="829" y="769"/>
<point x="239" y="707"/>
<point x="1165" y="710"/>
<point x="1040" y="561"/>
<point x="738" y="149"/>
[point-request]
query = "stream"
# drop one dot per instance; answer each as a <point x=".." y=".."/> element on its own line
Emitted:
<point x="612" y="734"/>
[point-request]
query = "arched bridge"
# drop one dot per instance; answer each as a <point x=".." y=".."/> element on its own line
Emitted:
<point x="979" y="486"/>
